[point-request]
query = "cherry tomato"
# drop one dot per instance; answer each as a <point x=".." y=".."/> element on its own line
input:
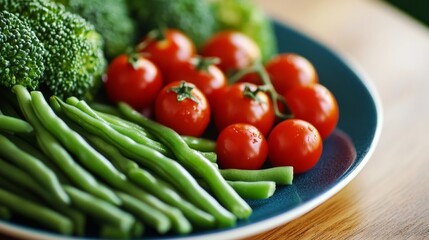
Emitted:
<point x="295" y="143"/>
<point x="243" y="103"/>
<point x="202" y="72"/>
<point x="133" y="79"/>
<point x="251" y="78"/>
<point x="234" y="49"/>
<point x="166" y="48"/>
<point x="315" y="104"/>
<point x="184" y="108"/>
<point x="241" y="146"/>
<point x="288" y="70"/>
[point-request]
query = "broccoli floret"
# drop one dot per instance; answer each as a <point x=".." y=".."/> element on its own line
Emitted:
<point x="192" y="17"/>
<point x="110" y="18"/>
<point x="21" y="59"/>
<point x="74" y="61"/>
<point x="245" y="16"/>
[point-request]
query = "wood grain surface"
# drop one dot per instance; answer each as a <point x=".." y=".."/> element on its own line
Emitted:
<point x="389" y="199"/>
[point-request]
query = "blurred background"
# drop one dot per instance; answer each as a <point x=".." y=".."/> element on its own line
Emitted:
<point x="418" y="9"/>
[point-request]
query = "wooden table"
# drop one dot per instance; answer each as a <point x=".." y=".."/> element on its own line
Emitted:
<point x="390" y="197"/>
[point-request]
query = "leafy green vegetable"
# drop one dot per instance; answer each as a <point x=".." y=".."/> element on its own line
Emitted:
<point x="246" y="17"/>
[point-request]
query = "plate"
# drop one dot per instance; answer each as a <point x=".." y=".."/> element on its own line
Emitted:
<point x="344" y="155"/>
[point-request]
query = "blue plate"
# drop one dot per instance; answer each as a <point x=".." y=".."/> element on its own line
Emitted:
<point x="345" y="152"/>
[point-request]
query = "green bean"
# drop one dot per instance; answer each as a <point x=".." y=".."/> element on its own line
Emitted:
<point x="193" y="161"/>
<point x="147" y="181"/>
<point x="75" y="143"/>
<point x="138" y="135"/>
<point x="211" y="156"/>
<point x="14" y="125"/>
<point x="118" y="160"/>
<point x="35" y="152"/>
<point x="124" y="165"/>
<point x="100" y="209"/>
<point x="150" y="216"/>
<point x="5" y="213"/>
<point x="179" y="222"/>
<point x="20" y="178"/>
<point x="157" y="162"/>
<point x="205" y="146"/>
<point x="109" y="232"/>
<point x="11" y="187"/>
<point x="254" y="190"/>
<point x="34" y="167"/>
<point x="57" y="154"/>
<point x="138" y="230"/>
<point x="45" y="216"/>
<point x="279" y="175"/>
<point x="165" y="193"/>
<point x="100" y="107"/>
<point x="200" y="144"/>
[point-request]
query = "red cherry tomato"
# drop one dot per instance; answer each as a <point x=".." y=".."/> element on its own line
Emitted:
<point x="295" y="143"/>
<point x="184" y="108"/>
<point x="234" y="49"/>
<point x="167" y="48"/>
<point x="134" y="80"/>
<point x="289" y="70"/>
<point x="242" y="103"/>
<point x="315" y="104"/>
<point x="251" y="78"/>
<point x="241" y="146"/>
<point x="202" y="72"/>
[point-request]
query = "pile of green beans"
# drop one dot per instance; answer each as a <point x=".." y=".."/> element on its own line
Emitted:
<point x="82" y="169"/>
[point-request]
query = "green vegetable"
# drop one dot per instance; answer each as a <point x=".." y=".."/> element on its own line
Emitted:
<point x="110" y="232"/>
<point x="279" y="175"/>
<point x="246" y="17"/>
<point x="34" y="167"/>
<point x="192" y="160"/>
<point x="99" y="209"/>
<point x="21" y="58"/>
<point x="119" y="182"/>
<point x="36" y="212"/>
<point x="15" y="125"/>
<point x="58" y="155"/>
<point x="5" y="213"/>
<point x="73" y="56"/>
<point x="111" y="18"/>
<point x="200" y="144"/>
<point x="21" y="180"/>
<point x="254" y="190"/>
<point x="192" y="17"/>
<point x="170" y="196"/>
<point x="11" y="187"/>
<point x="146" y="213"/>
<point x="153" y="185"/>
<point x="73" y="142"/>
<point x="165" y="167"/>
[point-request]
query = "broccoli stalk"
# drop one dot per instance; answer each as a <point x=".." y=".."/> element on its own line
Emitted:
<point x="21" y="58"/>
<point x="74" y="59"/>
